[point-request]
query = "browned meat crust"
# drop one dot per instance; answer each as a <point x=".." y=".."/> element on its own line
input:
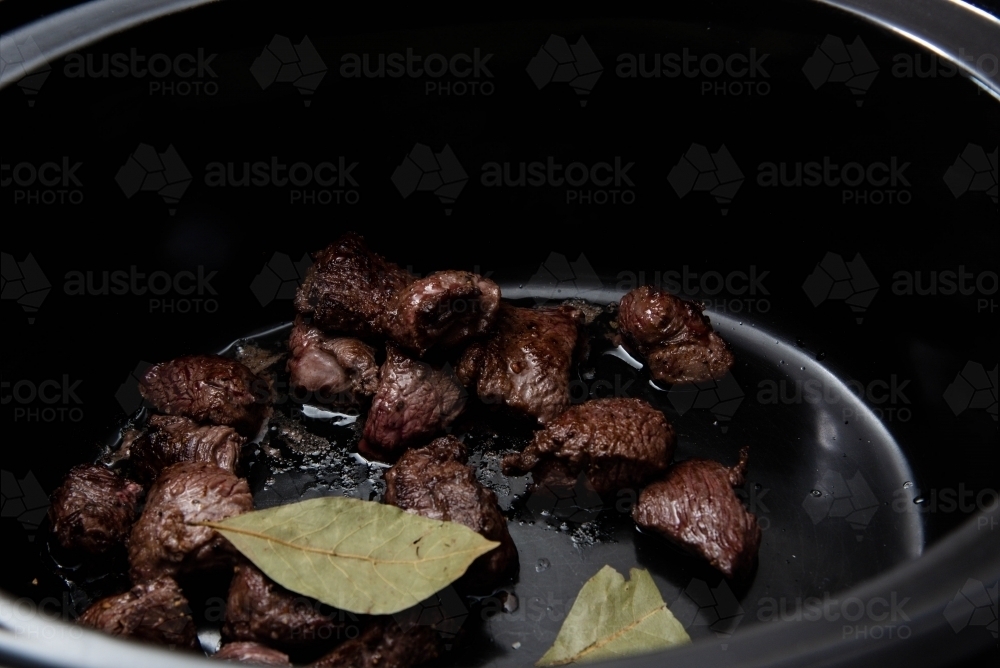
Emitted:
<point x="435" y="482"/>
<point x="349" y="287"/>
<point x="617" y="442"/>
<point x="154" y="611"/>
<point x="384" y="645"/>
<point x="171" y="439"/>
<point x="695" y="507"/>
<point x="208" y="388"/>
<point x="414" y="401"/>
<point x="336" y="370"/>
<point x="165" y="540"/>
<point x="445" y="308"/>
<point x="526" y="364"/>
<point x="351" y="290"/>
<point x="93" y="509"/>
<point x="673" y="335"/>
<point x="259" y="609"/>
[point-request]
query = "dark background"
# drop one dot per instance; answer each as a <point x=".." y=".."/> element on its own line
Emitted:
<point x="234" y="232"/>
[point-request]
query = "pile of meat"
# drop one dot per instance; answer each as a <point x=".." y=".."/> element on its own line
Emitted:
<point x="412" y="353"/>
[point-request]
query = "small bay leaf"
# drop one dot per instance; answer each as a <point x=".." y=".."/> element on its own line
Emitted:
<point x="614" y="618"/>
<point x="359" y="556"/>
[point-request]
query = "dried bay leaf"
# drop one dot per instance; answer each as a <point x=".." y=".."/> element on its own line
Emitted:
<point x="359" y="556"/>
<point x="613" y="618"/>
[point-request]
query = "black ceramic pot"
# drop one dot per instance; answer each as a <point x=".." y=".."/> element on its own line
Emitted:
<point x="823" y="176"/>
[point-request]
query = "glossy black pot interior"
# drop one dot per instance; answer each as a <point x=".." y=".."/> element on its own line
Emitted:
<point x="826" y="187"/>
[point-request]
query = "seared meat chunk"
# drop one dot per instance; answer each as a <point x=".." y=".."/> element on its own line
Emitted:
<point x="170" y="439"/>
<point x="436" y="482"/>
<point x="617" y="442"/>
<point x="338" y="370"/>
<point x="384" y="644"/>
<point x="525" y="365"/>
<point x="208" y="388"/>
<point x="93" y="509"/>
<point x="445" y="309"/>
<point x="252" y="652"/>
<point x="673" y="335"/>
<point x="155" y="611"/>
<point x="261" y="610"/>
<point x="413" y="401"/>
<point x="695" y="507"/>
<point x="165" y="540"/>
<point x="348" y="287"/>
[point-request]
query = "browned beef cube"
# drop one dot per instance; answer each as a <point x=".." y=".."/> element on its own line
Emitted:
<point x="695" y="507"/>
<point x="444" y="309"/>
<point x="336" y="370"/>
<point x="93" y="509"/>
<point x="617" y="442"/>
<point x="673" y="335"/>
<point x="414" y="401"/>
<point x="209" y="389"/>
<point x="349" y="288"/>
<point x="354" y="291"/>
<point x="171" y="439"/>
<point x="525" y="365"/>
<point x="436" y="482"/>
<point x="155" y="611"/>
<point x="166" y="541"/>
<point x="384" y="644"/>
<point x="258" y="609"/>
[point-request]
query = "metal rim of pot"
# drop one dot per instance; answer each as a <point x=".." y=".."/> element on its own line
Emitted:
<point x="28" y="638"/>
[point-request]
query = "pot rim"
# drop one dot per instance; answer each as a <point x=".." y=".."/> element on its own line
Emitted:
<point x="958" y="33"/>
